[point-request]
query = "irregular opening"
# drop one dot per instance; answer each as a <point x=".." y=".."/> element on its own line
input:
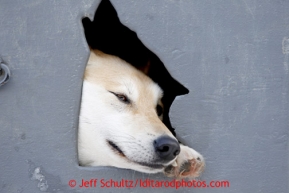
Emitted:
<point x="108" y="34"/>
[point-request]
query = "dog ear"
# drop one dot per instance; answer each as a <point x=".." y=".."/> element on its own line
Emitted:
<point x="158" y="72"/>
<point x="145" y="68"/>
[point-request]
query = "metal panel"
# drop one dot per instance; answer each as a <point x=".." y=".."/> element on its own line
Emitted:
<point x="232" y="55"/>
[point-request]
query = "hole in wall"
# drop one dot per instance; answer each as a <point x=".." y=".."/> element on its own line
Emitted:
<point x="107" y="34"/>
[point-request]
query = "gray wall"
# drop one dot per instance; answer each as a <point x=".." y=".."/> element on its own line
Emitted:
<point x="232" y="55"/>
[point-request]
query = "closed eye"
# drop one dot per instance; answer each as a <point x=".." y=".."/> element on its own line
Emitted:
<point x="122" y="97"/>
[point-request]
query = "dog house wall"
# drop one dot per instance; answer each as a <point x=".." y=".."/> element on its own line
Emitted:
<point x="232" y="55"/>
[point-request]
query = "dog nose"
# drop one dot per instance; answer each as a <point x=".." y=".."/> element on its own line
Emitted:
<point x="166" y="148"/>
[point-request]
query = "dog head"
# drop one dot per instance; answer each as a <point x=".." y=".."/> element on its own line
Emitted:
<point x="121" y="118"/>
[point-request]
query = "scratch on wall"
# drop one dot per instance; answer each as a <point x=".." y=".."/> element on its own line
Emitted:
<point x="249" y="9"/>
<point x="42" y="183"/>
<point x="285" y="50"/>
<point x="47" y="182"/>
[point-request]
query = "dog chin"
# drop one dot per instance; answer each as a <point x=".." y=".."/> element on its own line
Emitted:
<point x="148" y="168"/>
<point x="145" y="167"/>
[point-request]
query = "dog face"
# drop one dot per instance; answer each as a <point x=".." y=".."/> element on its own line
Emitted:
<point x="120" y="120"/>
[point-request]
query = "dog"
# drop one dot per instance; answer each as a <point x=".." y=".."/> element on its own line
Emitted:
<point x="120" y="122"/>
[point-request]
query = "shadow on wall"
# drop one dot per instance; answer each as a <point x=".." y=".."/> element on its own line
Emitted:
<point x="108" y="34"/>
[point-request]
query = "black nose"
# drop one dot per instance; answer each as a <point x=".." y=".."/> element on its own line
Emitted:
<point x="166" y="148"/>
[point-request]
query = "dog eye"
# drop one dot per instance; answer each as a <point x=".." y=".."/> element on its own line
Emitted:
<point x="159" y="110"/>
<point x="122" y="97"/>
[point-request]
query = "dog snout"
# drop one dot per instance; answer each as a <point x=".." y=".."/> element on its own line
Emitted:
<point x="166" y="148"/>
